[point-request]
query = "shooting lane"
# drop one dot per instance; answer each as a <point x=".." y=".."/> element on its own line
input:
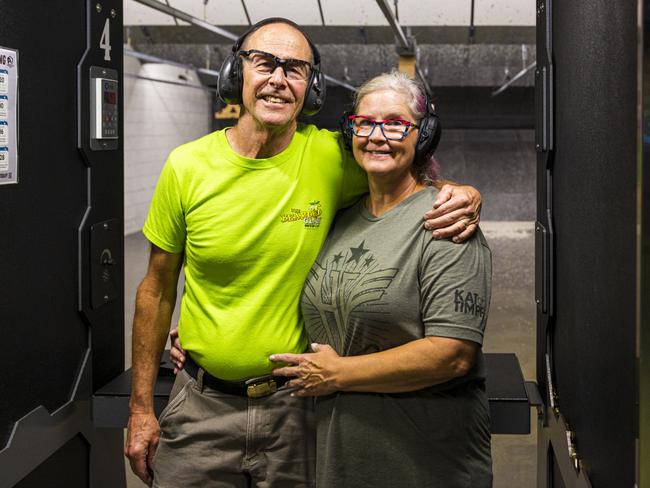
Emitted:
<point x="61" y="241"/>
<point x="509" y="402"/>
<point x="64" y="402"/>
<point x="592" y="245"/>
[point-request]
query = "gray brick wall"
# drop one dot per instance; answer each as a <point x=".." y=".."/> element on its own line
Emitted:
<point x="157" y="118"/>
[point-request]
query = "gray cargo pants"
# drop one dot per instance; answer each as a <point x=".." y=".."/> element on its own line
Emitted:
<point x="213" y="439"/>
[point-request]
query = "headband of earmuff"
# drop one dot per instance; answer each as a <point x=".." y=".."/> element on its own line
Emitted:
<point x="429" y="132"/>
<point x="230" y="80"/>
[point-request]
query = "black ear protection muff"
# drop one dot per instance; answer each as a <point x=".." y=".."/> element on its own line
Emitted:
<point x="429" y="133"/>
<point x="346" y="130"/>
<point x="230" y="80"/>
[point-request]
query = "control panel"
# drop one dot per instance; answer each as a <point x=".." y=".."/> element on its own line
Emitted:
<point x="105" y="105"/>
<point x="104" y="108"/>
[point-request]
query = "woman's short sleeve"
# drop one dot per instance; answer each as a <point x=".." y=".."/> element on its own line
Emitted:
<point x="455" y="287"/>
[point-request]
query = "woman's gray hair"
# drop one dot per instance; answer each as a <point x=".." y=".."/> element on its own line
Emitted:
<point x="426" y="171"/>
<point x="400" y="83"/>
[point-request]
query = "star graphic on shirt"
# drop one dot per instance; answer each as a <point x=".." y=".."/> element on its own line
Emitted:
<point x="369" y="260"/>
<point x="357" y="252"/>
<point x="337" y="258"/>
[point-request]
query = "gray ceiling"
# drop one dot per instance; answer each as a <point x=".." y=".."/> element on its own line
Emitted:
<point x="342" y="12"/>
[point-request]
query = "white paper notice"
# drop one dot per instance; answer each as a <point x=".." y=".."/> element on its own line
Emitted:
<point x="8" y="116"/>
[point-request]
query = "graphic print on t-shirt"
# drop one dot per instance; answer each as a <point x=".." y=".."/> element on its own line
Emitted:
<point x="334" y="290"/>
<point x="311" y="216"/>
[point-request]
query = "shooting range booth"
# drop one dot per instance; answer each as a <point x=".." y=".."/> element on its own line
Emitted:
<point x="64" y="392"/>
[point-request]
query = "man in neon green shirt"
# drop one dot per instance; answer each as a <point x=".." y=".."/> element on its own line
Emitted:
<point x="246" y="211"/>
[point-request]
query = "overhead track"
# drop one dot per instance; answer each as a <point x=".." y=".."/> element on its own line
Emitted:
<point x="388" y="13"/>
<point x="179" y="14"/>
<point x="513" y="79"/>
<point x="404" y="43"/>
<point x="175" y="19"/>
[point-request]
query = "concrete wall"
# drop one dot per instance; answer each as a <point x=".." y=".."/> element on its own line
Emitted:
<point x="500" y="163"/>
<point x="157" y="118"/>
<point x="442" y="64"/>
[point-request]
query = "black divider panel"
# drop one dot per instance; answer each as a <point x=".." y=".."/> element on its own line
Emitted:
<point x="67" y="468"/>
<point x="594" y="200"/>
<point x="48" y="323"/>
<point x="43" y="335"/>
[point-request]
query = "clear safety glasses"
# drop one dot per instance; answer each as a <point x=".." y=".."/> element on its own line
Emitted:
<point x="266" y="63"/>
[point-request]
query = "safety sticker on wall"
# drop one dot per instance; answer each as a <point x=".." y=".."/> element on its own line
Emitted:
<point x="8" y="116"/>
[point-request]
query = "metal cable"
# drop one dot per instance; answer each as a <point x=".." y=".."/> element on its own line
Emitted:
<point x="320" y="9"/>
<point x="471" y="25"/>
<point x="248" y="17"/>
<point x="175" y="19"/>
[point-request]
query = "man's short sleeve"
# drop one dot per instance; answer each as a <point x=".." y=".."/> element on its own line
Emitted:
<point x="456" y="284"/>
<point x="165" y="224"/>
<point x="355" y="180"/>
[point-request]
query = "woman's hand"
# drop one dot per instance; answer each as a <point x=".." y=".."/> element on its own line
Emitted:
<point x="315" y="374"/>
<point x="456" y="212"/>
<point x="176" y="353"/>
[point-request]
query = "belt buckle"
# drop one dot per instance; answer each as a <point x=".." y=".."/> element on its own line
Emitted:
<point x="260" y="387"/>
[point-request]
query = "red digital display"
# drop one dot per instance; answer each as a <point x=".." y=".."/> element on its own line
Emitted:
<point x="110" y="97"/>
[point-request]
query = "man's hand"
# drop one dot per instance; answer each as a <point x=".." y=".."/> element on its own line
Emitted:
<point x="154" y="305"/>
<point x="456" y="213"/>
<point x="176" y="353"/>
<point x="142" y="440"/>
<point x="314" y="374"/>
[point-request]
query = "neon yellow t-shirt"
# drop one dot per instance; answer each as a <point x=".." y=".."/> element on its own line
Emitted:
<point x="250" y="229"/>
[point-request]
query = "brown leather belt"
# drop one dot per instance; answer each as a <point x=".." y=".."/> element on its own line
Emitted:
<point x="252" y="388"/>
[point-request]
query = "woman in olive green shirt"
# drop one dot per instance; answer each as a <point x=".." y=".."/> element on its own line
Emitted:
<point x="397" y="319"/>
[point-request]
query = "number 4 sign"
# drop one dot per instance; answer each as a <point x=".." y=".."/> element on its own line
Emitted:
<point x="105" y="41"/>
